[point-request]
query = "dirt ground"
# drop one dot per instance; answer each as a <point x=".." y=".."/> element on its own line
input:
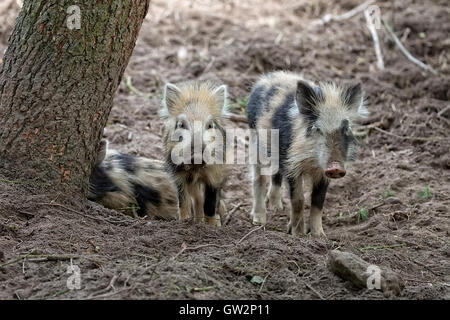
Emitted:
<point x="392" y="208"/>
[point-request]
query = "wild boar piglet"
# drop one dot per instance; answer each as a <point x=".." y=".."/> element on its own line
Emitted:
<point x="194" y="140"/>
<point x="315" y="141"/>
<point x="136" y="186"/>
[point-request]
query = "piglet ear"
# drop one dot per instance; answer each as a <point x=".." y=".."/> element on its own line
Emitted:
<point x="221" y="94"/>
<point x="170" y="95"/>
<point x="353" y="97"/>
<point x="306" y="99"/>
<point x="102" y="150"/>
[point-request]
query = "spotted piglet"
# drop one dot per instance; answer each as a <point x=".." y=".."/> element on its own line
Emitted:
<point x="315" y="141"/>
<point x="136" y="186"/>
<point x="194" y="138"/>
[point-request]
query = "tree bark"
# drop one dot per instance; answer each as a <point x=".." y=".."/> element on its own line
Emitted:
<point x="57" y="87"/>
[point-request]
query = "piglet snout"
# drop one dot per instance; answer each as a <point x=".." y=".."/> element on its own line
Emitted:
<point x="335" y="171"/>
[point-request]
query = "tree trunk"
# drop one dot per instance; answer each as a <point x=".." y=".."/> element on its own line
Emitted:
<point x="57" y="86"/>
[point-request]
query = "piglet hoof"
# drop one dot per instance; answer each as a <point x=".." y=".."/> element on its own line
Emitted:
<point x="297" y="230"/>
<point x="316" y="229"/>
<point x="214" y="221"/>
<point x="318" y="233"/>
<point x="259" y="218"/>
<point x="198" y="220"/>
<point x="275" y="204"/>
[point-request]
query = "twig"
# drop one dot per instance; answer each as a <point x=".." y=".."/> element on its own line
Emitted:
<point x="411" y="138"/>
<point x="17" y="259"/>
<point x="420" y="264"/>
<point x="81" y="214"/>
<point x="107" y="295"/>
<point x="210" y="64"/>
<point x="248" y="234"/>
<point x="329" y="17"/>
<point x="201" y="289"/>
<point x="373" y="32"/>
<point x="26" y="214"/>
<point x="397" y="245"/>
<point x="68" y="209"/>
<point x="228" y="217"/>
<point x="52" y="258"/>
<point x="296" y="264"/>
<point x="262" y="284"/>
<point x="405" y="34"/>
<point x="10" y="181"/>
<point x="352" y="217"/>
<point x="406" y="52"/>
<point x="314" y="290"/>
<point x="443" y="111"/>
<point x="184" y="247"/>
<point x="105" y="290"/>
<point x="44" y="258"/>
<point x="129" y="84"/>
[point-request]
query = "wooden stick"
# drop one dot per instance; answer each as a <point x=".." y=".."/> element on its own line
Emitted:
<point x="52" y="258"/>
<point x="17" y="259"/>
<point x="228" y="217"/>
<point x="33" y="257"/>
<point x="329" y="17"/>
<point x="314" y="290"/>
<point x="389" y="246"/>
<point x="411" y="138"/>
<point x="355" y="216"/>
<point x="244" y="237"/>
<point x="407" y="54"/>
<point x="82" y="214"/>
<point x="373" y="32"/>
<point x="349" y="266"/>
<point x="184" y="247"/>
<point x="443" y="111"/>
<point x="355" y="11"/>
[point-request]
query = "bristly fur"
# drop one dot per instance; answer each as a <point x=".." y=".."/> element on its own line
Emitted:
<point x="314" y="123"/>
<point x="198" y="185"/>
<point x="177" y="98"/>
<point x="133" y="185"/>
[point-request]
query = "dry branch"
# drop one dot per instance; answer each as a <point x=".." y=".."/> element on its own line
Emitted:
<point x="441" y="113"/>
<point x="228" y="217"/>
<point x="54" y="204"/>
<point x="329" y="17"/>
<point x="33" y="257"/>
<point x="406" y="52"/>
<point x="376" y="41"/>
<point x="313" y="290"/>
<point x="356" y="216"/>
<point x="184" y="247"/>
<point x="411" y="138"/>
<point x="354" y="269"/>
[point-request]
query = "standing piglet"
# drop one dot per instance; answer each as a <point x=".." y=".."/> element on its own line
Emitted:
<point x="193" y="114"/>
<point x="315" y="141"/>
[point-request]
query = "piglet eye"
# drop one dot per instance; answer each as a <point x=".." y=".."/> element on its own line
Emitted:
<point x="180" y="125"/>
<point x="210" y="125"/>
